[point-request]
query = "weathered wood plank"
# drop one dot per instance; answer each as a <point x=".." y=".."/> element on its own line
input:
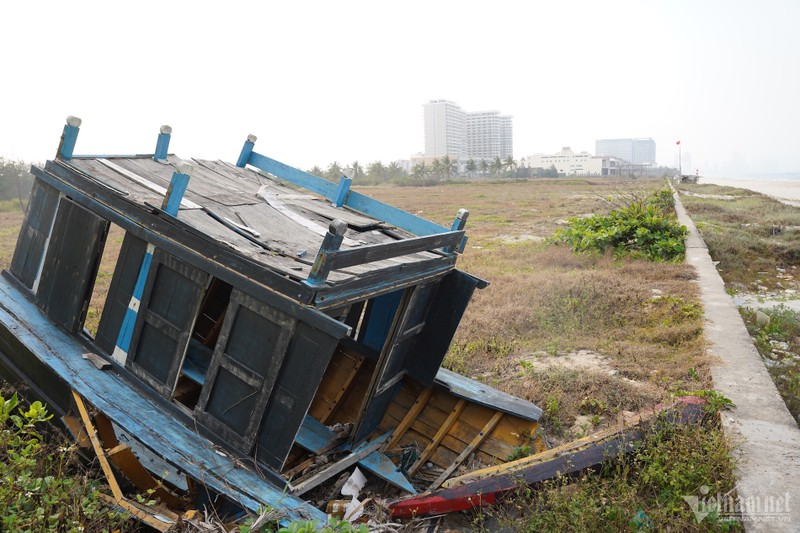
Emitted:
<point x="138" y="415"/>
<point x="326" y="473"/>
<point x="384" y="468"/>
<point x="479" y="438"/>
<point x="377" y="252"/>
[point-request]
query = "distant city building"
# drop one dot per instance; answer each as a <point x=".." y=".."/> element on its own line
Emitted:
<point x="451" y="131"/>
<point x="569" y="163"/>
<point x="445" y="129"/>
<point x="635" y="151"/>
<point x="489" y="135"/>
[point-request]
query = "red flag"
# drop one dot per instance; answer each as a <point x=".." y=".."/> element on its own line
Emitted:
<point x="678" y="142"/>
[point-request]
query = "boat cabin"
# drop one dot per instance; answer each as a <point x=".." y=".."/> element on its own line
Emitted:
<point x="253" y="301"/>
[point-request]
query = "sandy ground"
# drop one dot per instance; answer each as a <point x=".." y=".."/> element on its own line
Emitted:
<point x="781" y="189"/>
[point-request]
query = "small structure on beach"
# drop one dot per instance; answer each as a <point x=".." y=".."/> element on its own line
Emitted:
<point x="264" y="331"/>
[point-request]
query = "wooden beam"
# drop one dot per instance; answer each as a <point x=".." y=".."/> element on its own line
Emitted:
<point x="437" y="439"/>
<point x="165" y="520"/>
<point x="479" y="438"/>
<point x="326" y="473"/>
<point x="98" y="447"/>
<point x="402" y="427"/>
<point x="378" y="252"/>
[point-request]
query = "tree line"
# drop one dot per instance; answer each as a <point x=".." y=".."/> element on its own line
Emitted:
<point x="15" y="180"/>
<point x="422" y="173"/>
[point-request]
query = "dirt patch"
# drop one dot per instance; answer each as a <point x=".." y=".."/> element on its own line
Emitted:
<point x="513" y="239"/>
<point x="580" y="360"/>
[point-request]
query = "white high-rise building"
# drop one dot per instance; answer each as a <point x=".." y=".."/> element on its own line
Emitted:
<point x="451" y="131"/>
<point x="445" y="129"/>
<point x="489" y="135"/>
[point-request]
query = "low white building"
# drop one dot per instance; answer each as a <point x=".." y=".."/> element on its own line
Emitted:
<point x="569" y="163"/>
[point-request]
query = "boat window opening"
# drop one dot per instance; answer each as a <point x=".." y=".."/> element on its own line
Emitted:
<point x="102" y="282"/>
<point x="201" y="343"/>
<point x="376" y="322"/>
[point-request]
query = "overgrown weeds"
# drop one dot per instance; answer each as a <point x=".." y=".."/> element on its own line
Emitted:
<point x="642" y="228"/>
<point x="747" y="234"/>
<point x="648" y="490"/>
<point x="43" y="487"/>
<point x="756" y="241"/>
<point x="778" y="342"/>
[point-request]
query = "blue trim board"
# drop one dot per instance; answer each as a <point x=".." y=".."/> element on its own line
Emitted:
<point x="150" y="423"/>
<point x="128" y="323"/>
<point x="292" y="175"/>
<point x="392" y="215"/>
<point x="359" y="202"/>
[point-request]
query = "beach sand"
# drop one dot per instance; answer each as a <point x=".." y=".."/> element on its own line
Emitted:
<point x="780" y="189"/>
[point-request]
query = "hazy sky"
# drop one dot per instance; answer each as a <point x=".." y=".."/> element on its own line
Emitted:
<point x="323" y="81"/>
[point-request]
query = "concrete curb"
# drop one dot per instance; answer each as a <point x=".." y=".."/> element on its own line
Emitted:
<point x="765" y="435"/>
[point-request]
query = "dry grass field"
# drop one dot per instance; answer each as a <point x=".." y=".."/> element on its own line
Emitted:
<point x="559" y="328"/>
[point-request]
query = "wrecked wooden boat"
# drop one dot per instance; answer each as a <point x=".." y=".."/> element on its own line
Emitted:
<point x="264" y="331"/>
<point x="485" y="486"/>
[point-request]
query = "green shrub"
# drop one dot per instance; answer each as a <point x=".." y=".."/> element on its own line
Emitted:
<point x="643" y="229"/>
<point x="41" y="487"/>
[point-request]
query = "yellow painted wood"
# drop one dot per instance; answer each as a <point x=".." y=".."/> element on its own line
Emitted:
<point x="342" y="391"/>
<point x="569" y="447"/>
<point x="400" y="430"/>
<point x="437" y="439"/>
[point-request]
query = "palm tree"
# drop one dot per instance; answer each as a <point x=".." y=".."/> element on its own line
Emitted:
<point x="436" y="168"/>
<point x="394" y="170"/>
<point x="484" y="167"/>
<point x="334" y="172"/>
<point x="510" y="165"/>
<point x="449" y="167"/>
<point x="358" y="171"/>
<point x="471" y="167"/>
<point x="419" y="172"/>
<point x="496" y="165"/>
<point x="317" y="171"/>
<point x="376" y="171"/>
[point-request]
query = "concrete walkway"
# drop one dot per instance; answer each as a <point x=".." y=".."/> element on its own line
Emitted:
<point x="763" y="432"/>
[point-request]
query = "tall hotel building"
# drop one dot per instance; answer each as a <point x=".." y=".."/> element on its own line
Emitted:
<point x="636" y="151"/>
<point x="449" y="130"/>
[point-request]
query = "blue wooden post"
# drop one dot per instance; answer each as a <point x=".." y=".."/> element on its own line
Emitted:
<point x="342" y="191"/>
<point x="162" y="144"/>
<point x="458" y="224"/>
<point x="120" y="354"/>
<point x="170" y="205"/>
<point x="247" y="149"/>
<point x="69" y="138"/>
<point x="177" y="188"/>
<point x="332" y="241"/>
